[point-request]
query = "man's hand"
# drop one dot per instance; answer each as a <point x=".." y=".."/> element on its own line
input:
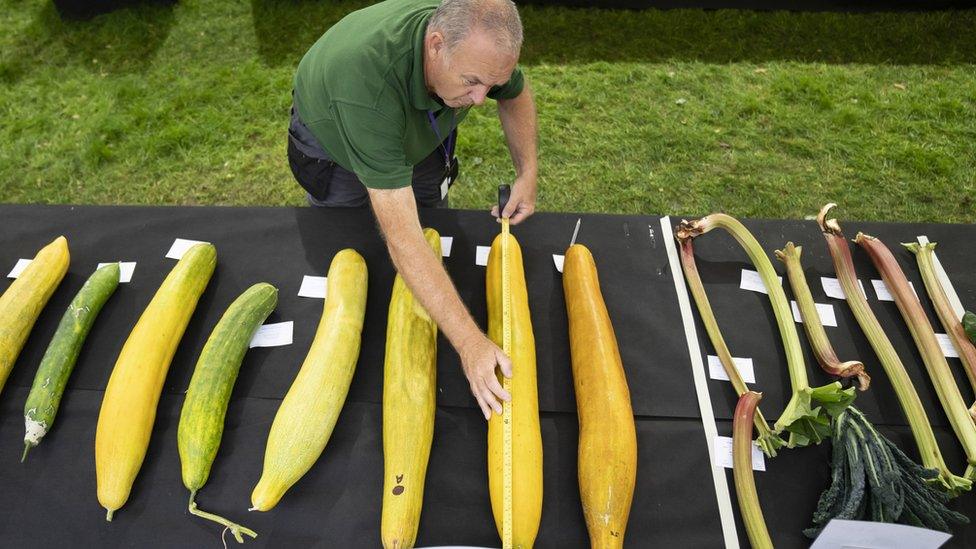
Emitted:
<point x="479" y="358"/>
<point x="522" y="202"/>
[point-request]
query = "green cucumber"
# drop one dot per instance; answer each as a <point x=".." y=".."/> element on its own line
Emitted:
<point x="969" y="323"/>
<point x="202" y="418"/>
<point x="62" y="353"/>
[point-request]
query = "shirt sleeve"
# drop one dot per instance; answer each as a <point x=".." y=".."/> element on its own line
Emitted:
<point x="374" y="146"/>
<point x="510" y="89"/>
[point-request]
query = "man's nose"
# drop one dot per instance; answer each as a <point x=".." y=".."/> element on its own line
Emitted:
<point x="479" y="94"/>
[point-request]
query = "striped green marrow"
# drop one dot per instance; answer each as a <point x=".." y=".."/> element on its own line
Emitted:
<point x="202" y="418"/>
<point x="62" y="353"/>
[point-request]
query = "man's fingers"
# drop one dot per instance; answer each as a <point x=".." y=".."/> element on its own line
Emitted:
<point x="504" y="363"/>
<point x="485" y="411"/>
<point x="497" y="389"/>
<point x="490" y="399"/>
<point x="494" y="210"/>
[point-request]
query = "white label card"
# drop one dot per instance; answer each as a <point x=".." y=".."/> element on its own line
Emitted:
<point x="831" y="287"/>
<point x="180" y="246"/>
<point x="19" y="268"/>
<point x="751" y="280"/>
<point x="744" y="365"/>
<point x="824" y="310"/>
<point x="273" y="335"/>
<point x="481" y="256"/>
<point x="857" y="534"/>
<point x="558" y="261"/>
<point x="314" y="286"/>
<point x="447" y="242"/>
<point x="948" y="349"/>
<point x="882" y="290"/>
<point x="126" y="268"/>
<point x="723" y="454"/>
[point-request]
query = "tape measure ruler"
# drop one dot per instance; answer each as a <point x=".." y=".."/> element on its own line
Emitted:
<point x="504" y="193"/>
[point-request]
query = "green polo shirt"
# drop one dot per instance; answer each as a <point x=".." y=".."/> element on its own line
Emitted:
<point x="360" y="90"/>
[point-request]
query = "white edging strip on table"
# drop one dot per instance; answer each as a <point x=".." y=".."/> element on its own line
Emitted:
<point x="701" y="388"/>
<point x="944" y="281"/>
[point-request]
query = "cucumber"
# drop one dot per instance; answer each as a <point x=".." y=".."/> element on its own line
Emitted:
<point x="62" y="353"/>
<point x="202" y="418"/>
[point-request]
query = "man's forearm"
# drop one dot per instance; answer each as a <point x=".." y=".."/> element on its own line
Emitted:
<point x="517" y="116"/>
<point x="424" y="274"/>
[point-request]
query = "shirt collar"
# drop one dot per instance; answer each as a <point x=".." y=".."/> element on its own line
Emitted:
<point x="420" y="98"/>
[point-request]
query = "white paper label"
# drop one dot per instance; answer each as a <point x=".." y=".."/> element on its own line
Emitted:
<point x="126" y="268"/>
<point x="447" y="242"/>
<point x="273" y="335"/>
<point x="752" y="281"/>
<point x="558" y="261"/>
<point x="882" y="290"/>
<point x="744" y="365"/>
<point x="313" y="286"/>
<point x="19" y="268"/>
<point x="481" y="256"/>
<point x="824" y="310"/>
<point x="445" y="185"/>
<point x="948" y="349"/>
<point x="180" y="246"/>
<point x="858" y="534"/>
<point x="723" y="454"/>
<point x="832" y="288"/>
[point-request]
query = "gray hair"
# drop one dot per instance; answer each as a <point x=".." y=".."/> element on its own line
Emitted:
<point x="455" y="19"/>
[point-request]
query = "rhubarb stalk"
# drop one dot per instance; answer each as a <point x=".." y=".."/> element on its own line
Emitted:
<point x="767" y="441"/>
<point x="924" y="336"/>
<point x="745" y="484"/>
<point x="964" y="347"/>
<point x="790" y="256"/>
<point x="928" y="449"/>
<point x="806" y="422"/>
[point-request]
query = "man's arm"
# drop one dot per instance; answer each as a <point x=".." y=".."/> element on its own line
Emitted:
<point x="517" y="116"/>
<point x="424" y="274"/>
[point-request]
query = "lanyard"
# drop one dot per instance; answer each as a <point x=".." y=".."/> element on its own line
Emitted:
<point x="449" y="147"/>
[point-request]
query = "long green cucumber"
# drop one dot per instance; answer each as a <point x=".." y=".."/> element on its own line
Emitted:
<point x="202" y="418"/>
<point x="62" y="353"/>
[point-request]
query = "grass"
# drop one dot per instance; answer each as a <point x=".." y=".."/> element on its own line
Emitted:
<point x="680" y="112"/>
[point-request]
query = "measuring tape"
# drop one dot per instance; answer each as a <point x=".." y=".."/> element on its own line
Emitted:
<point x="503" y="195"/>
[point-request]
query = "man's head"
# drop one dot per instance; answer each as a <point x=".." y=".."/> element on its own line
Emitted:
<point x="470" y="46"/>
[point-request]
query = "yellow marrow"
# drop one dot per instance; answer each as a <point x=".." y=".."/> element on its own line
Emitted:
<point x="128" y="411"/>
<point x="23" y="301"/>
<point x="607" y="437"/>
<point x="526" y="432"/>
<point x="309" y="411"/>
<point x="409" y="398"/>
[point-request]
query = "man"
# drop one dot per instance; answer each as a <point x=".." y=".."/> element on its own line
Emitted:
<point x="377" y="101"/>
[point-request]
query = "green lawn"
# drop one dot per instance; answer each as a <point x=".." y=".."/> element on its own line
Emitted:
<point x="756" y="114"/>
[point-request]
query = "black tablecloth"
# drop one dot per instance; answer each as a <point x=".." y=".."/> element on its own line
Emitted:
<point x="337" y="504"/>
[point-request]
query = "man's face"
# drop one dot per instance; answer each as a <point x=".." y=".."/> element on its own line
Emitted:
<point x="462" y="78"/>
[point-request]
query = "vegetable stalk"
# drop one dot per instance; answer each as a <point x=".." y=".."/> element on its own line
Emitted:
<point x="969" y="324"/>
<point x="826" y="357"/>
<point x="745" y="483"/>
<point x="924" y="336"/>
<point x="767" y="440"/>
<point x="964" y="347"/>
<point x="806" y="422"/>
<point x="928" y="448"/>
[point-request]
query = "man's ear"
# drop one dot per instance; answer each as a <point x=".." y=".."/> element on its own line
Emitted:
<point x="435" y="43"/>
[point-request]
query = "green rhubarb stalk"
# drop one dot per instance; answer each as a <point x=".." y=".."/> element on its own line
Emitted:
<point x="928" y="448"/>
<point x="768" y="441"/>
<point x="964" y="347"/>
<point x="826" y="357"/>
<point x="745" y="483"/>
<point x="924" y="336"/>
<point x="806" y="422"/>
